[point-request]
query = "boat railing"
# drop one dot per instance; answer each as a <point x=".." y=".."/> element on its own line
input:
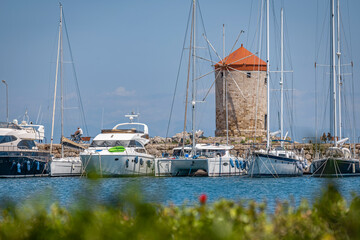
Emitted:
<point x="16" y="149"/>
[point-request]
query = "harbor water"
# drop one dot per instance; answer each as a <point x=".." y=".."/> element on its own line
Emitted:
<point x="178" y="191"/>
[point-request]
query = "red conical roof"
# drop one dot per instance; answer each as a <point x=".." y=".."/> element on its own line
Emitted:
<point x="243" y="60"/>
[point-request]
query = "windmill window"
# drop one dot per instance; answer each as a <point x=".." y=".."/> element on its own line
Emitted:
<point x="248" y="74"/>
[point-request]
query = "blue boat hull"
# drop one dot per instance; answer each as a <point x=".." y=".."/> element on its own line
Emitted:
<point x="267" y="165"/>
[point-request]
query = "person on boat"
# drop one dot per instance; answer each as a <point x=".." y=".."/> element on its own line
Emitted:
<point x="329" y="137"/>
<point x="78" y="134"/>
<point x="323" y="138"/>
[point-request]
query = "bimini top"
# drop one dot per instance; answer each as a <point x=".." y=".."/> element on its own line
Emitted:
<point x="129" y="128"/>
<point x="243" y="60"/>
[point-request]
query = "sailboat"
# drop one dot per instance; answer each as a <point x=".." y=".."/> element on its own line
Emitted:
<point x="198" y="159"/>
<point x="338" y="160"/>
<point x="275" y="162"/>
<point x="63" y="166"/>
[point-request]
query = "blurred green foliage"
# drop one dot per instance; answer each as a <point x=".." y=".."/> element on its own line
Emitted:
<point x="130" y="217"/>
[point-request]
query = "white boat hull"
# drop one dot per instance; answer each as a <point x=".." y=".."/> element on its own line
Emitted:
<point x="66" y="167"/>
<point x="267" y="165"/>
<point x="225" y="166"/>
<point x="118" y="165"/>
<point x="212" y="167"/>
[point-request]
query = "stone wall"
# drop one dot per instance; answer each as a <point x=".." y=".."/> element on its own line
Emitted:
<point x="242" y="105"/>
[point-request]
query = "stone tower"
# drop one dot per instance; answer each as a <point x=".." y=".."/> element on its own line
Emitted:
<point x="243" y="76"/>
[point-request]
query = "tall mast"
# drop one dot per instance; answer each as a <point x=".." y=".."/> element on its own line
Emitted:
<point x="339" y="74"/>
<point x="226" y="92"/>
<point x="61" y="82"/>
<point x="56" y="78"/>
<point x="282" y="80"/>
<point x="332" y="64"/>
<point x="268" y="75"/>
<point x="193" y="102"/>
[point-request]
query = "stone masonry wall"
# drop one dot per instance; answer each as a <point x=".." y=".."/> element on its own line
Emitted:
<point x="241" y="107"/>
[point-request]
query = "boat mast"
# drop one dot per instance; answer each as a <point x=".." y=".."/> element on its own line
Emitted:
<point x="332" y="64"/>
<point x="338" y="53"/>
<point x="61" y="83"/>
<point x="226" y="92"/>
<point x="268" y="76"/>
<point x="282" y="79"/>
<point x="56" y="78"/>
<point x="193" y="102"/>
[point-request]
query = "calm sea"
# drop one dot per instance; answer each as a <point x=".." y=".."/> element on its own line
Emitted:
<point x="67" y="191"/>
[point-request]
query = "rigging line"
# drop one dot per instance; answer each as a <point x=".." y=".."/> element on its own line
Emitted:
<point x="348" y="14"/>
<point x="242" y="94"/>
<point x="257" y="24"/>
<point x="50" y="77"/>
<point x="316" y="112"/>
<point x="204" y="75"/>
<point x="178" y="75"/>
<point x="258" y="67"/>
<point x="287" y="41"/>
<point x="276" y="42"/>
<point x="322" y="30"/>
<point x="203" y="25"/>
<point x="240" y="59"/>
<point x="211" y="85"/>
<point x="345" y="39"/>
<point x="206" y="59"/>
<point x="212" y="48"/>
<point x="75" y="76"/>
<point x="237" y="39"/>
<point x="247" y="36"/>
<point x="353" y="106"/>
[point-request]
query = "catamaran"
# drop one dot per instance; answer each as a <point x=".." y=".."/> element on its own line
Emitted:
<point x="198" y="159"/>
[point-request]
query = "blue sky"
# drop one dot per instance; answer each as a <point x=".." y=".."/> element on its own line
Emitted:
<point x="127" y="55"/>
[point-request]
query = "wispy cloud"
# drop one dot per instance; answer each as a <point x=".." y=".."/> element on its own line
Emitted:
<point x="122" y="92"/>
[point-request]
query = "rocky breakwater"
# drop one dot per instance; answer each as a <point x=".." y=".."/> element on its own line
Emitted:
<point x="68" y="152"/>
<point x="242" y="145"/>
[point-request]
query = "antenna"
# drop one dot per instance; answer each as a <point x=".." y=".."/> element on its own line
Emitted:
<point x="132" y="115"/>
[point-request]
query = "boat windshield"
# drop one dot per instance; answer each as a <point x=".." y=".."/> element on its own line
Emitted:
<point x="210" y="152"/>
<point x="179" y="152"/>
<point x="114" y="143"/>
<point x="136" y="128"/>
<point x="6" y="139"/>
<point x="26" y="144"/>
